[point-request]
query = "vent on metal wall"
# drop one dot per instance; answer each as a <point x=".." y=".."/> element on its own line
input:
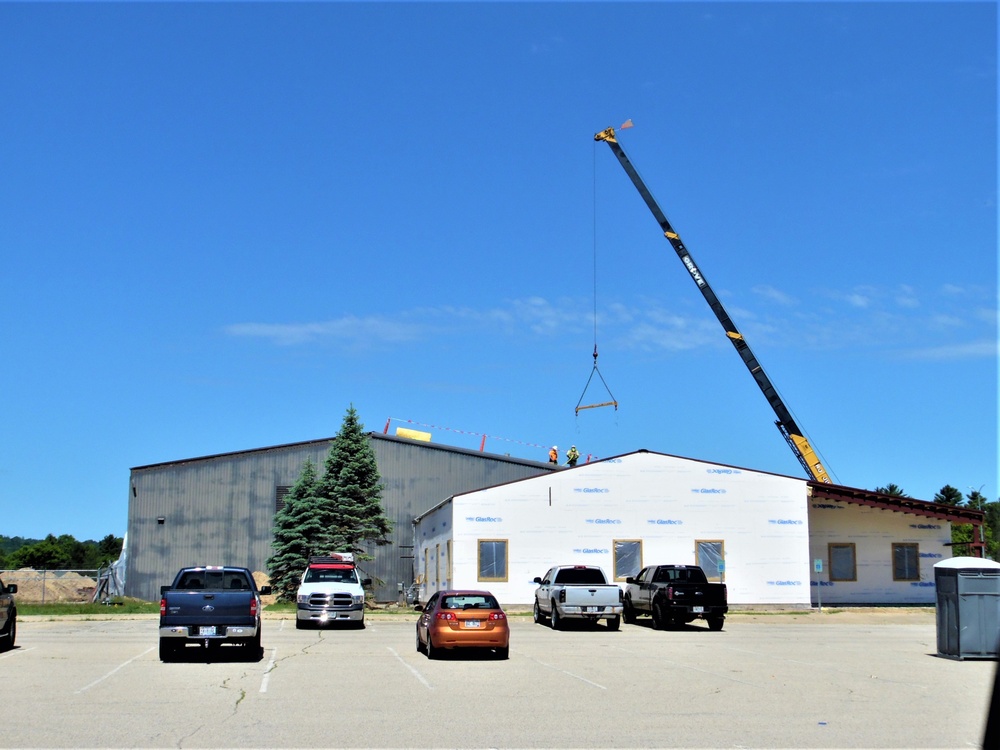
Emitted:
<point x="280" y="492"/>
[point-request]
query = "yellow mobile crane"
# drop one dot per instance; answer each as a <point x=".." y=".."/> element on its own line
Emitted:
<point x="786" y="424"/>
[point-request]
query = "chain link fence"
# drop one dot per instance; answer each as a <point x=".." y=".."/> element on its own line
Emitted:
<point x="50" y="586"/>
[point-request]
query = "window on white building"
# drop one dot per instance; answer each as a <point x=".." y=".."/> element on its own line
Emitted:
<point x="905" y="562"/>
<point x="843" y="562"/>
<point x="710" y="556"/>
<point x="492" y="560"/>
<point x="628" y="558"/>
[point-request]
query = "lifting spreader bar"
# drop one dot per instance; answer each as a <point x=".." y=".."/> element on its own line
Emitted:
<point x="612" y="402"/>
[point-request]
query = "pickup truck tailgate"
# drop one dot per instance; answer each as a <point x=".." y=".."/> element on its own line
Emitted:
<point x="592" y="596"/>
<point x="197" y="608"/>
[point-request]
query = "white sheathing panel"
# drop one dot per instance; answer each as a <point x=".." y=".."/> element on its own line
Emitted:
<point x="432" y="540"/>
<point x="873" y="531"/>
<point x="574" y="516"/>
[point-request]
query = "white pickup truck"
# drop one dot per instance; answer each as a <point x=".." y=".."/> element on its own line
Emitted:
<point x="331" y="591"/>
<point x="577" y="592"/>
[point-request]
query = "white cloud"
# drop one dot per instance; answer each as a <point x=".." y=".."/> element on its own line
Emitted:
<point x="873" y="319"/>
<point x="968" y="350"/>
<point x="348" y="328"/>
<point x="774" y="295"/>
<point x="906" y="296"/>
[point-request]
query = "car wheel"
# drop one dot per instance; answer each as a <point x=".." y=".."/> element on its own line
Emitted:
<point x="628" y="612"/>
<point x="614" y="622"/>
<point x="716" y="623"/>
<point x="360" y="624"/>
<point x="300" y="624"/>
<point x="420" y="645"/>
<point x="11" y="633"/>
<point x="432" y="653"/>
<point x="554" y="619"/>
<point x="503" y="653"/>
<point x="536" y="614"/>
<point x="658" y="622"/>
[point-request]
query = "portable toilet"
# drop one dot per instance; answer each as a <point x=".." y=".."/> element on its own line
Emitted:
<point x="968" y="607"/>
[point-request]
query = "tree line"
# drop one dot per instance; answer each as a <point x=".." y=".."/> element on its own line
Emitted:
<point x="62" y="552"/>
<point x="961" y="533"/>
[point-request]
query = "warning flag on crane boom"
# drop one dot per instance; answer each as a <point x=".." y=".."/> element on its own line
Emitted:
<point x="627" y="124"/>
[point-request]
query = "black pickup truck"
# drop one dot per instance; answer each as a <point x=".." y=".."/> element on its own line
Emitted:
<point x="8" y="616"/>
<point x="675" y="595"/>
<point x="211" y="606"/>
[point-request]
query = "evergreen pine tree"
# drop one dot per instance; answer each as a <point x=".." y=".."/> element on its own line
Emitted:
<point x="351" y="489"/>
<point x="949" y="495"/>
<point x="298" y="529"/>
<point x="891" y="489"/>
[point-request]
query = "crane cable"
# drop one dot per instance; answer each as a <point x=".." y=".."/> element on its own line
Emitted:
<point x="612" y="402"/>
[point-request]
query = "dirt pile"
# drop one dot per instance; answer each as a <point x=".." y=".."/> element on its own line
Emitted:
<point x="263" y="579"/>
<point x="51" y="585"/>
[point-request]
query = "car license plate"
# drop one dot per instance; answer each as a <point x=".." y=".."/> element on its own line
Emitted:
<point x="206" y="630"/>
<point x="697" y="610"/>
<point x="472" y="623"/>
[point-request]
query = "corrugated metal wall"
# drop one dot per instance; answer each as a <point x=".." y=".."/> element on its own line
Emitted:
<point x="220" y="509"/>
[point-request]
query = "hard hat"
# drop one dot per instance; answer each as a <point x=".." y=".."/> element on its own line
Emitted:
<point x="555" y="447"/>
<point x="572" y="446"/>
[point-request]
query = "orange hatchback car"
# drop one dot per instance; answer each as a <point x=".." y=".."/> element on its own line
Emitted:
<point x="462" y="619"/>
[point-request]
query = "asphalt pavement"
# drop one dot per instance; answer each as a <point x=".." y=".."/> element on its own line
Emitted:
<point x="762" y="682"/>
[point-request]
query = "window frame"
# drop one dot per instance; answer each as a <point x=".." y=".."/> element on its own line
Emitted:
<point x="900" y="546"/>
<point x="448" y="568"/>
<point x="719" y="576"/>
<point x="614" y="546"/>
<point x="437" y="564"/>
<point x="506" y="560"/>
<point x="854" y="560"/>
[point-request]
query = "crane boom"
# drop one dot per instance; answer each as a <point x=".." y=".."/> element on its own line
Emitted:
<point x="786" y="423"/>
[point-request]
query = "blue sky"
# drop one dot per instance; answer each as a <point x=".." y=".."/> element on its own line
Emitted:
<point x="223" y="224"/>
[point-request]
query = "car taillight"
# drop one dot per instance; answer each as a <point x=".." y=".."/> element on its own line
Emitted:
<point x="670" y="592"/>
<point x="163" y="607"/>
<point x="498" y="616"/>
<point x="253" y="606"/>
<point x="621" y="595"/>
<point x="562" y="595"/>
<point x="446" y="616"/>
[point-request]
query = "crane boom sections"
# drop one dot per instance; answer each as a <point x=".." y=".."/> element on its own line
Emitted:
<point x="800" y="446"/>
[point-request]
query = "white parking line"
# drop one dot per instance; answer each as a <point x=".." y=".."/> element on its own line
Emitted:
<point x="124" y="664"/>
<point x="569" y="674"/>
<point x="267" y="670"/>
<point x="15" y="652"/>
<point x="416" y="674"/>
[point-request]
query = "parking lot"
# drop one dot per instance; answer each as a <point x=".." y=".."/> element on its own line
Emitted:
<point x="762" y="682"/>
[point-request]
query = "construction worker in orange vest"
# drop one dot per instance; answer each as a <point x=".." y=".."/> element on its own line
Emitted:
<point x="554" y="455"/>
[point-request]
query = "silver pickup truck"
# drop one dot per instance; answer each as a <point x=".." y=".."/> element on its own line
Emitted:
<point x="577" y="592"/>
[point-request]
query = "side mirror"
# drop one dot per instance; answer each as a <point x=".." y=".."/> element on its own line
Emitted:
<point x="265" y="590"/>
<point x="367" y="582"/>
<point x="164" y="590"/>
<point x="537" y="579"/>
<point x="418" y="607"/>
<point x="11" y="588"/>
<point x="630" y="579"/>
